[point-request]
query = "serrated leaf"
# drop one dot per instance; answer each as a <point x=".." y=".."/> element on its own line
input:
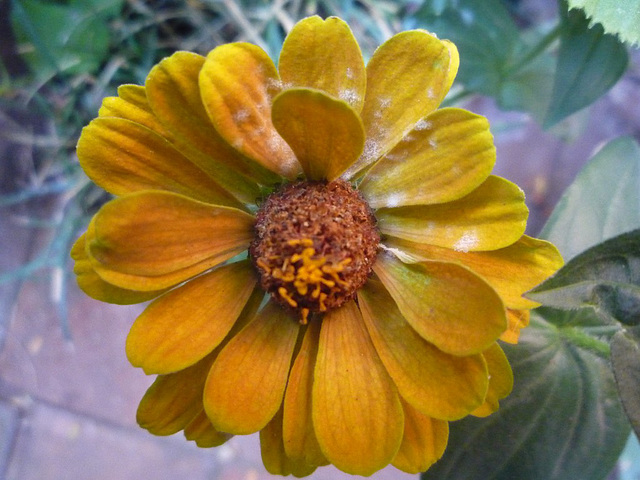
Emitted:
<point x="625" y="360"/>
<point x="605" y="277"/>
<point x="602" y="202"/>
<point x="620" y="17"/>
<point x="563" y="409"/>
<point x="589" y="64"/>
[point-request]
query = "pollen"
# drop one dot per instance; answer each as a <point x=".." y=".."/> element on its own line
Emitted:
<point x="315" y="246"/>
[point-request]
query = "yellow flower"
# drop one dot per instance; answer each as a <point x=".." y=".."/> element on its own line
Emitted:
<point x="391" y="259"/>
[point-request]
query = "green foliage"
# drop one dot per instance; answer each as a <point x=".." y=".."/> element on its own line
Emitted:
<point x="620" y="17"/>
<point x="625" y="360"/>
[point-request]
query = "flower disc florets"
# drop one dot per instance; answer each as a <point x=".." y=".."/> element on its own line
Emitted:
<point x="315" y="245"/>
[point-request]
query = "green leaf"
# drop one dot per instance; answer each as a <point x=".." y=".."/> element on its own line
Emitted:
<point x="620" y="17"/>
<point x="589" y="64"/>
<point x="563" y="410"/>
<point x="603" y="201"/>
<point x="71" y="37"/>
<point x="625" y="360"/>
<point x="605" y="277"/>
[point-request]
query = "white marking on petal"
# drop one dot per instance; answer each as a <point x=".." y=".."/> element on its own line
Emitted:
<point x="465" y="243"/>
<point x="423" y="125"/>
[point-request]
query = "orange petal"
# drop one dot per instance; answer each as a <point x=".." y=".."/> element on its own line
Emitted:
<point x="246" y="383"/>
<point x="94" y="286"/>
<point x="300" y="442"/>
<point x="424" y="441"/>
<point x="492" y="216"/>
<point x="158" y="239"/>
<point x="132" y="104"/>
<point x="407" y="77"/>
<point x="448" y="305"/>
<point x="324" y="54"/>
<point x="326" y="134"/>
<point x="202" y="432"/>
<point x="174" y="400"/>
<point x="437" y="384"/>
<point x="357" y="414"/>
<point x="174" y="96"/>
<point x="125" y="157"/>
<point x="183" y="326"/>
<point x="274" y="457"/>
<point x="511" y="270"/>
<point x="500" y="380"/>
<point x="238" y="82"/>
<point x="517" y="320"/>
<point x="446" y="156"/>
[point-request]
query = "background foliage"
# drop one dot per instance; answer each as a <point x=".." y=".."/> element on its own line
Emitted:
<point x="579" y="361"/>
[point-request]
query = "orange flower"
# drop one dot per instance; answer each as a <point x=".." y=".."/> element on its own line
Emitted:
<point x="391" y="259"/>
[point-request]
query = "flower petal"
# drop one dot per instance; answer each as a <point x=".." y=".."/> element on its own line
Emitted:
<point x="517" y="320"/>
<point x="424" y="441"/>
<point x="445" y="303"/>
<point x="174" y="96"/>
<point x="407" y="77"/>
<point x="93" y="285"/>
<point x="300" y="442"/>
<point x="436" y="383"/>
<point x="124" y="157"/>
<point x="454" y="64"/>
<point x="511" y="270"/>
<point x="500" y="380"/>
<point x="202" y="432"/>
<point x="237" y="82"/>
<point x="325" y="133"/>
<point x="174" y="400"/>
<point x="132" y="104"/>
<point x="158" y="239"/>
<point x="274" y="457"/>
<point x="198" y="314"/>
<point x="324" y="54"/>
<point x="247" y="381"/>
<point x="356" y="410"/>
<point x="493" y="216"/>
<point x="446" y="156"/>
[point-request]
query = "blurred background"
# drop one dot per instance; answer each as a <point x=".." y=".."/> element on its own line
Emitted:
<point x="67" y="393"/>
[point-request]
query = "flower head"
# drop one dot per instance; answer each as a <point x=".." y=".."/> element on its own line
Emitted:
<point x="384" y="260"/>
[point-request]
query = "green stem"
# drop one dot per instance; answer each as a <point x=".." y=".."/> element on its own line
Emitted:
<point x="537" y="50"/>
<point x="583" y="340"/>
<point x="455" y="98"/>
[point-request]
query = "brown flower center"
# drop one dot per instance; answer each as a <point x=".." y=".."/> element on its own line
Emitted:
<point x="315" y="245"/>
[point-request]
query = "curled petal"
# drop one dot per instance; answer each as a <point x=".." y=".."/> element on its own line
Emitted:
<point x="325" y="133"/>
<point x="445" y="303"/>
<point x="500" y="380"/>
<point x="492" y="216"/>
<point x="517" y="320"/>
<point x="201" y="431"/>
<point x="324" y="54"/>
<point x="356" y="410"/>
<point x="246" y="384"/>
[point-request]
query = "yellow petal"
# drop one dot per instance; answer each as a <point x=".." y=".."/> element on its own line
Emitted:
<point x="356" y="410"/>
<point x="492" y="216"/>
<point x="500" y="380"/>
<point x="300" y="442"/>
<point x="275" y="459"/>
<point x="132" y="104"/>
<point x="437" y="384"/>
<point x="406" y="79"/>
<point x="325" y="133"/>
<point x="517" y="320"/>
<point x="94" y="286"/>
<point x="511" y="270"/>
<point x="446" y="156"/>
<point x="201" y="431"/>
<point x="174" y="400"/>
<point x="238" y="82"/>
<point x="183" y="326"/>
<point x="246" y="383"/>
<point x="454" y="64"/>
<point x="158" y="239"/>
<point x="125" y="157"/>
<point x="324" y="54"/>
<point x="445" y="303"/>
<point x="174" y="96"/>
<point x="424" y="441"/>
